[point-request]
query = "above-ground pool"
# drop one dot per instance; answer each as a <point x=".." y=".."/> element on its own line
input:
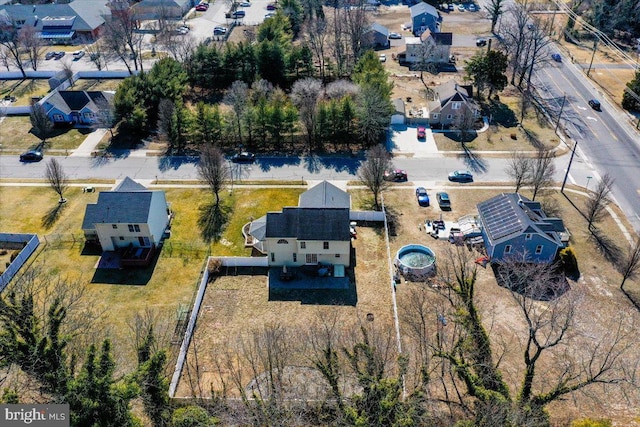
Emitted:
<point x="416" y="262"/>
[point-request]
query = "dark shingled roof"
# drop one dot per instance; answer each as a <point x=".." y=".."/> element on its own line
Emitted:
<point x="118" y="207"/>
<point x="309" y="224"/>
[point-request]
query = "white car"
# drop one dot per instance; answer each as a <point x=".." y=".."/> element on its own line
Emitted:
<point x="383" y="57"/>
<point x="218" y="31"/>
<point x="78" y="54"/>
<point x="245" y="4"/>
<point x="395" y="36"/>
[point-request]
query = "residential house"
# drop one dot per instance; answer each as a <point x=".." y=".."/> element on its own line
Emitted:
<point x="316" y="231"/>
<point x="514" y="226"/>
<point x="129" y="215"/>
<point x="60" y="23"/>
<point x="377" y="36"/>
<point x="79" y="108"/>
<point x="430" y="47"/>
<point x="161" y="9"/>
<point x="424" y="17"/>
<point x="452" y="101"/>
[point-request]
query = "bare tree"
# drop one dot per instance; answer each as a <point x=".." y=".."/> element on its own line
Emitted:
<point x="316" y="32"/>
<point x="465" y="123"/>
<point x="519" y="169"/>
<point x="180" y="46"/>
<point x="305" y="94"/>
<point x="32" y="44"/>
<point x="97" y="53"/>
<point x="4" y="56"/>
<point x="542" y="172"/>
<point x="598" y="201"/>
<point x="340" y="88"/>
<point x="10" y="40"/>
<point x="213" y="169"/>
<point x="42" y="125"/>
<point x="57" y="178"/>
<point x="105" y="115"/>
<point x="630" y="264"/>
<point x="371" y="172"/>
<point x="121" y="38"/>
<point x="357" y="26"/>
<point x="495" y="11"/>
<point x="237" y="97"/>
<point x="68" y="71"/>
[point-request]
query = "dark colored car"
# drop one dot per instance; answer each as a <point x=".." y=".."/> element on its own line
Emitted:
<point x="218" y="31"/>
<point x="244" y="157"/>
<point x="59" y="54"/>
<point x="556" y="57"/>
<point x="481" y="42"/>
<point x="443" y="201"/>
<point x="31" y="156"/>
<point x="395" y="175"/>
<point x="238" y="14"/>
<point x="51" y="54"/>
<point x="272" y="6"/>
<point x="422" y="196"/>
<point x="422" y="132"/>
<point x="595" y="104"/>
<point x="461" y="176"/>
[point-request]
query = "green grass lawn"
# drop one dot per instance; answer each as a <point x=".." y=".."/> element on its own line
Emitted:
<point x="96" y="84"/>
<point x="174" y="278"/>
<point x="24" y="90"/>
<point x="16" y="136"/>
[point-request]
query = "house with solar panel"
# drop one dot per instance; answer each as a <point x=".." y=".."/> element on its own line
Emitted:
<point x="128" y="217"/>
<point x="314" y="232"/>
<point x="515" y="227"/>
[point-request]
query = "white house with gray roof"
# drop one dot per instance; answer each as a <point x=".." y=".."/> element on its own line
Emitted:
<point x="516" y="227"/>
<point x="128" y="215"/>
<point x="60" y="22"/>
<point x="315" y="231"/>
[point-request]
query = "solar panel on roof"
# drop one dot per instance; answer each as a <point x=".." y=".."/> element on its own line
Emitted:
<point x="500" y="219"/>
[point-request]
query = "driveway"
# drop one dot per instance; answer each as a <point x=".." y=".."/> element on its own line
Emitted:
<point x="402" y="139"/>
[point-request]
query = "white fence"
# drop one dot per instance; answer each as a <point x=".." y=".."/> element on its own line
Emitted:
<point x="32" y="242"/>
<point x="243" y="261"/>
<point x="373" y="216"/>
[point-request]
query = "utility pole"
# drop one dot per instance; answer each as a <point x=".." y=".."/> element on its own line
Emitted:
<point x="564" y="98"/>
<point x="595" y="46"/>
<point x="566" y="175"/>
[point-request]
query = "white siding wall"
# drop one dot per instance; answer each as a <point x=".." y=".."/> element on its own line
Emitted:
<point x="283" y="253"/>
<point x="106" y="232"/>
<point x="158" y="217"/>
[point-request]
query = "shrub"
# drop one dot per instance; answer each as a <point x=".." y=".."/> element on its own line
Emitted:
<point x="3" y="252"/>
<point x="214" y="265"/>
<point x="569" y="263"/>
<point x="14" y="255"/>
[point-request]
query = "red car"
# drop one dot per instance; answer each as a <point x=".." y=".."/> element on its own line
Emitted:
<point x="422" y="132"/>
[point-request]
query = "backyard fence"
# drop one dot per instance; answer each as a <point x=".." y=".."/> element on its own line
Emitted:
<point x="373" y="216"/>
<point x="30" y="242"/>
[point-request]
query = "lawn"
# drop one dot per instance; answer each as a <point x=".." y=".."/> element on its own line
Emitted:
<point x="24" y="90"/>
<point x="96" y="84"/>
<point x="16" y="136"/>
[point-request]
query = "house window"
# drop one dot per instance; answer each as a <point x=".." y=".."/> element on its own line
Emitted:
<point x="435" y="115"/>
<point x="449" y="116"/>
<point x="89" y="115"/>
<point x="538" y="249"/>
<point x="283" y="242"/>
<point x="136" y="227"/>
<point x="303" y="245"/>
<point x="337" y="255"/>
<point x="121" y="238"/>
<point x="456" y="105"/>
<point x="273" y="257"/>
<point x="295" y="257"/>
<point x="58" y="118"/>
<point x="312" y="258"/>
<point x="325" y="245"/>
<point x="507" y="249"/>
<point x="114" y="226"/>
<point x="141" y="241"/>
<point x="527" y="236"/>
<point x="131" y="228"/>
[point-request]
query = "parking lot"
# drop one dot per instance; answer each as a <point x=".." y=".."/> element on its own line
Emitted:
<point x="204" y="22"/>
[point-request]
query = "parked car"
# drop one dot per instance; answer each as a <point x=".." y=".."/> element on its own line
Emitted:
<point x="269" y="15"/>
<point x="451" y="7"/>
<point x="422" y="196"/>
<point x="422" y="132"/>
<point x="245" y="4"/>
<point x="481" y="42"/>
<point x="382" y="57"/>
<point x="49" y="55"/>
<point x="461" y="7"/>
<point x="59" y="54"/>
<point x="272" y="6"/>
<point x="461" y="176"/>
<point x="443" y="201"/>
<point x="595" y="104"/>
<point x="31" y="156"/>
<point x="238" y="14"/>
<point x="473" y="8"/>
<point x="182" y="30"/>
<point x="243" y="157"/>
<point x="78" y="54"/>
<point x="395" y="36"/>
<point x="395" y="175"/>
<point x="202" y="7"/>
<point x="556" y="57"/>
<point x="9" y="98"/>
<point x="218" y="31"/>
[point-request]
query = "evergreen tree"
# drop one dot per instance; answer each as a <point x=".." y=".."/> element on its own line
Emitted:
<point x="630" y="102"/>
